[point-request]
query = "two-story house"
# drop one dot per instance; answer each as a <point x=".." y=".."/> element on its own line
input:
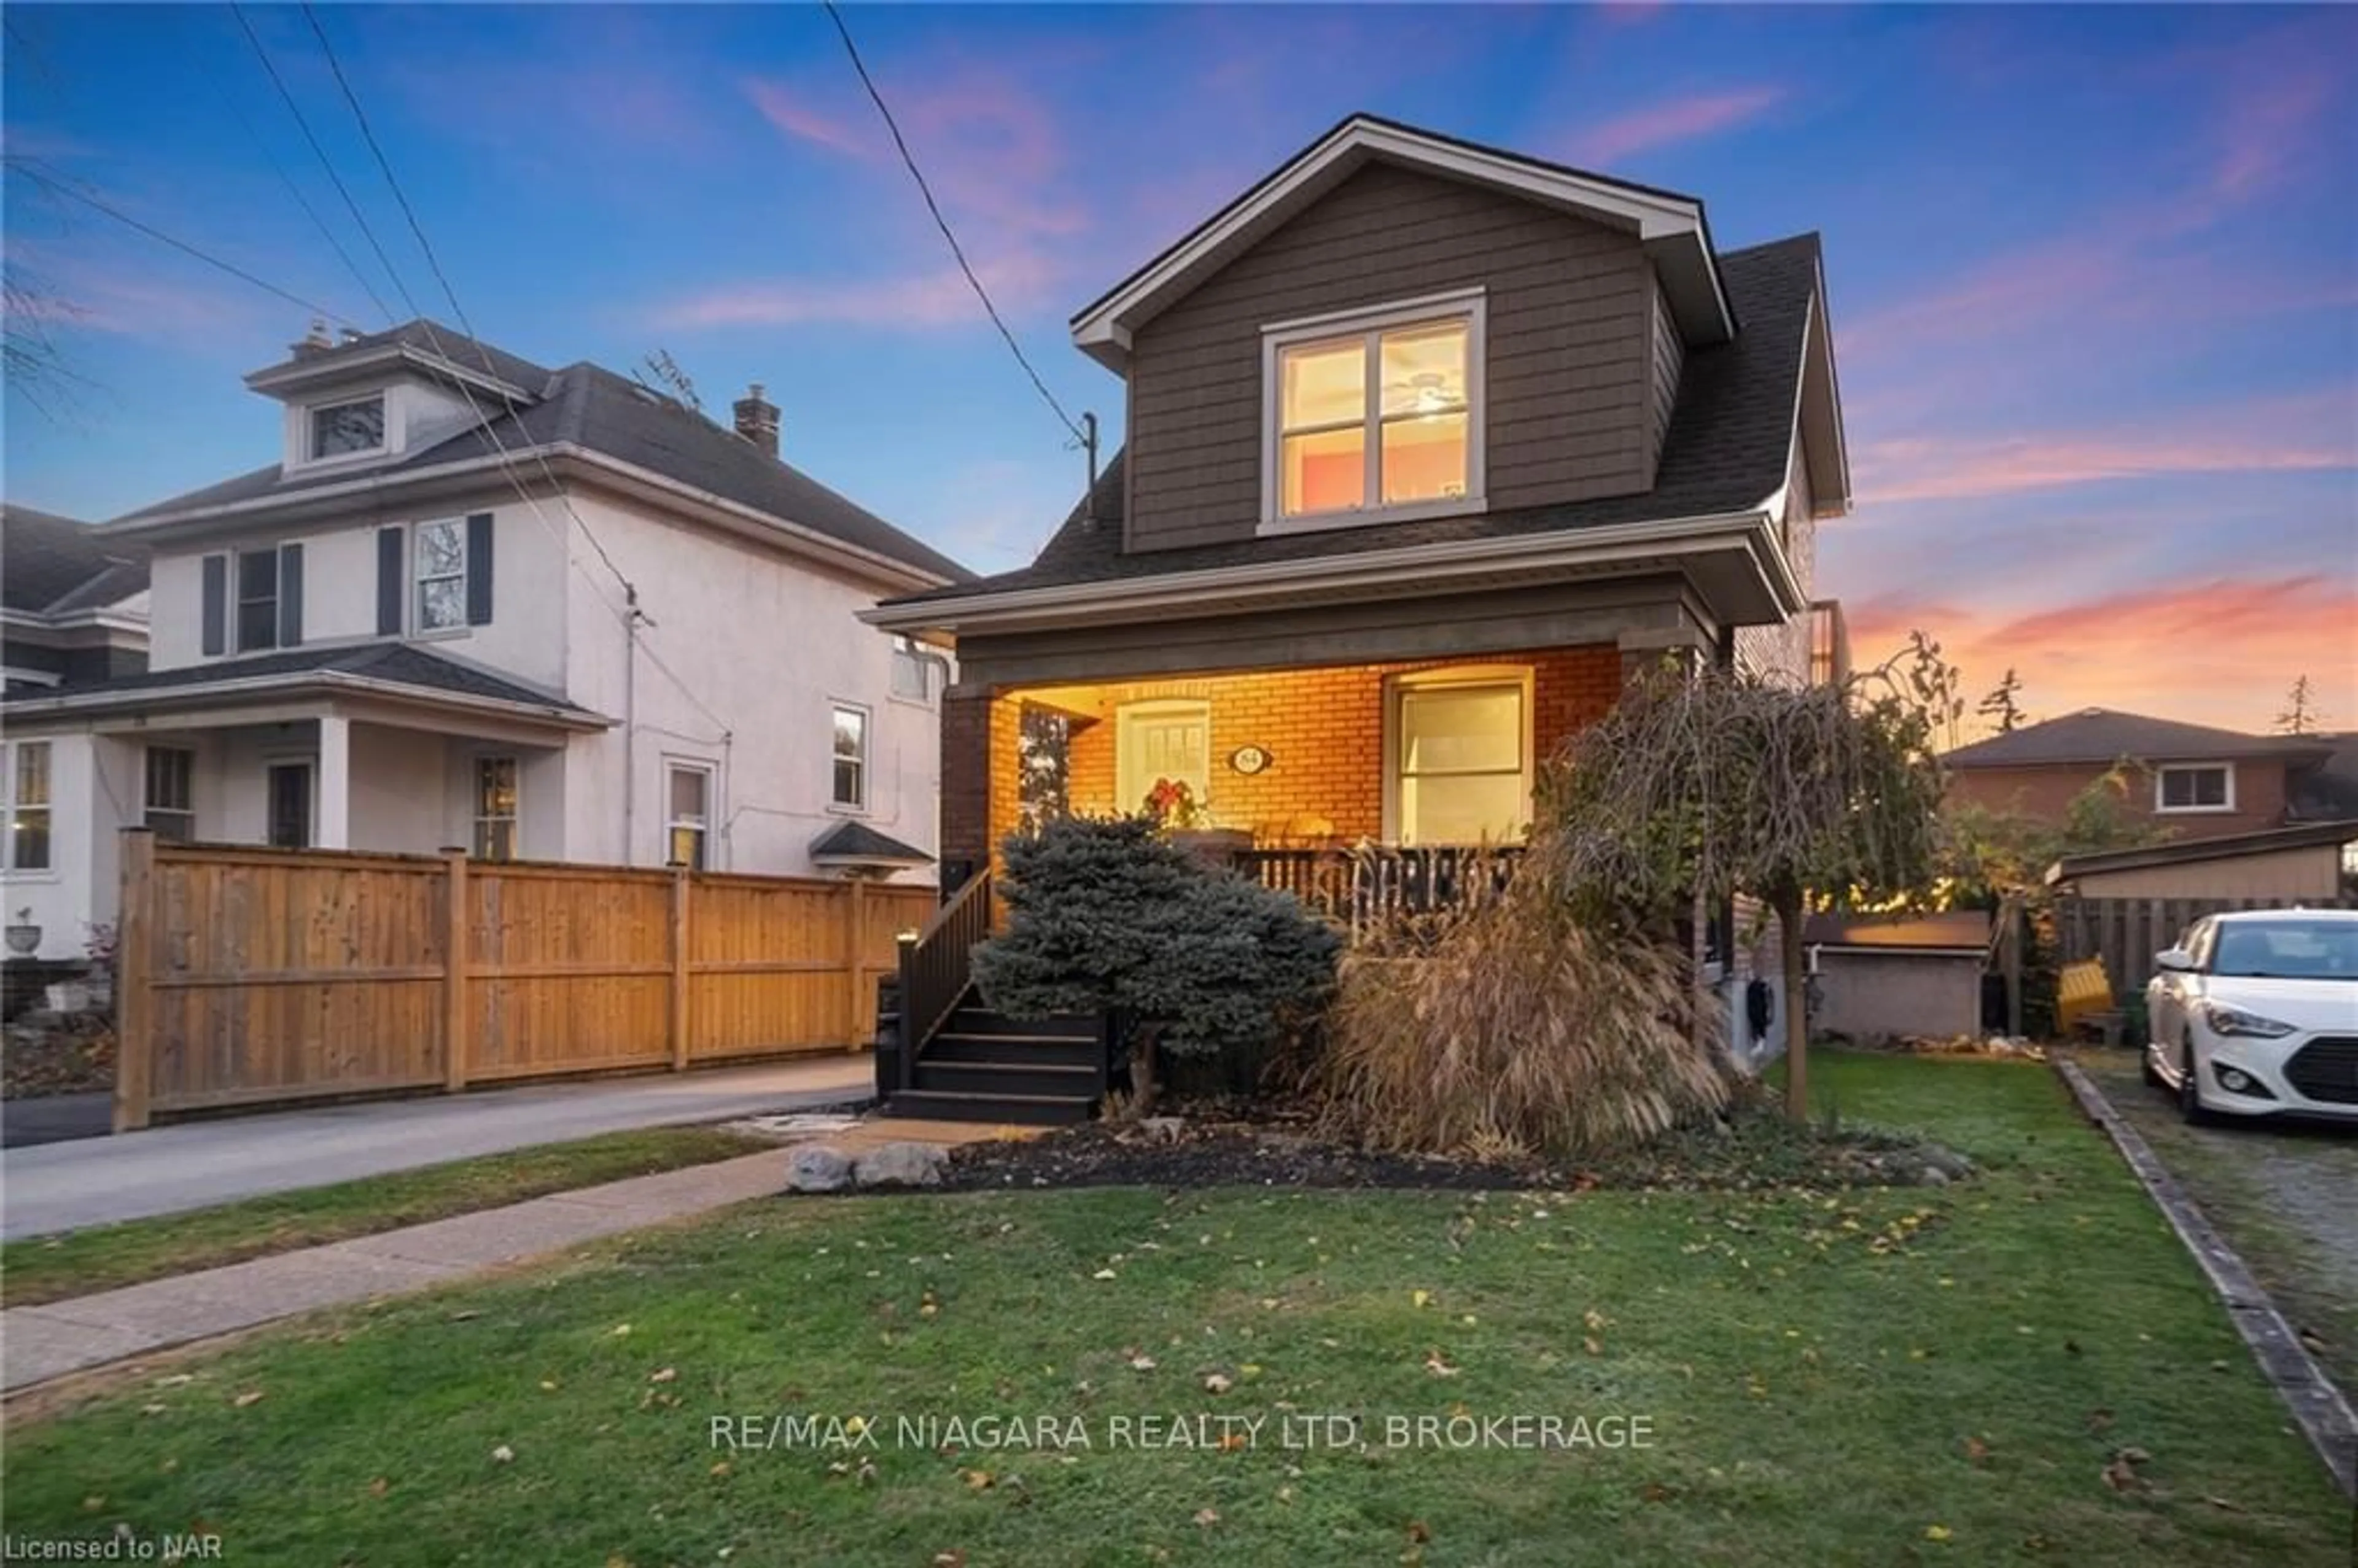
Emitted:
<point x="1428" y="444"/>
<point x="541" y="614"/>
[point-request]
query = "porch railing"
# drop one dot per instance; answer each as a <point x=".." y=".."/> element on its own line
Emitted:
<point x="1370" y="884"/>
<point x="936" y="966"/>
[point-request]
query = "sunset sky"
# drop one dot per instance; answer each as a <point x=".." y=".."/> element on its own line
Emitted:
<point x="2093" y="272"/>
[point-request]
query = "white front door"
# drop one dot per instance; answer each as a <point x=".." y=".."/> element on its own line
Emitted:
<point x="1156" y="740"/>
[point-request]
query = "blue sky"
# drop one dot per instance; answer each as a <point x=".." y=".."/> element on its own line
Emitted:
<point x="2093" y="272"/>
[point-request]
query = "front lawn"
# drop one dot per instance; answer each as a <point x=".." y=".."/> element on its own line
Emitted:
<point x="103" y="1256"/>
<point x="1890" y="1376"/>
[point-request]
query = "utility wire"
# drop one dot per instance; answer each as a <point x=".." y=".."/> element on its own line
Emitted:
<point x="943" y="223"/>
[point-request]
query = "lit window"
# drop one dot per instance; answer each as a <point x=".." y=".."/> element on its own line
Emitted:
<point x="691" y="816"/>
<point x="258" y="600"/>
<point x="1375" y="417"/>
<point x="851" y="785"/>
<point x="341" y="429"/>
<point x="495" y="808"/>
<point x="171" y="809"/>
<point x="29" y="807"/>
<point x="2205" y="786"/>
<point x="441" y="561"/>
<point x="1461" y="756"/>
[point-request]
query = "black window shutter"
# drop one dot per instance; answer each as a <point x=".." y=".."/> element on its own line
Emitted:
<point x="216" y="611"/>
<point x="479" y="570"/>
<point x="290" y="596"/>
<point x="388" y="582"/>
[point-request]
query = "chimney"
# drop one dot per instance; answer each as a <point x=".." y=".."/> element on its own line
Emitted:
<point x="314" y="342"/>
<point x="757" y="420"/>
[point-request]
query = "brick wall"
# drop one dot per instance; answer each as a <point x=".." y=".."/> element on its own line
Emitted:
<point x="2046" y="794"/>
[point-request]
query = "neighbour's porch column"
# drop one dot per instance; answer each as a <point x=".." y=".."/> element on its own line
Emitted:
<point x="334" y="828"/>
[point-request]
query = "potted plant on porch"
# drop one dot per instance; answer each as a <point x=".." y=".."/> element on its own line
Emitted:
<point x="1186" y="821"/>
<point x="24" y="936"/>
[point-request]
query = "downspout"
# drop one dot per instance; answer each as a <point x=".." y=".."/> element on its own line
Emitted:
<point x="630" y="727"/>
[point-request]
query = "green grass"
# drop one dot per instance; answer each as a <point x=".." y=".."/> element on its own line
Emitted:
<point x="77" y="1262"/>
<point x="1814" y="1371"/>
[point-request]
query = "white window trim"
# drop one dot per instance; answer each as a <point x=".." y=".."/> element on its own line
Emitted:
<point x="8" y="764"/>
<point x="147" y="805"/>
<point x="2164" y="770"/>
<point x="414" y="587"/>
<point x="233" y="643"/>
<point x="476" y="817"/>
<point x="1470" y="304"/>
<point x="907" y="648"/>
<point x="307" y="458"/>
<point x="866" y="752"/>
<point x="708" y="825"/>
<point x="1449" y="675"/>
<point x="1128" y="802"/>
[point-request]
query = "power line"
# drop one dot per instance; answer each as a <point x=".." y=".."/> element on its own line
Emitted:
<point x="56" y="185"/>
<point x="943" y="223"/>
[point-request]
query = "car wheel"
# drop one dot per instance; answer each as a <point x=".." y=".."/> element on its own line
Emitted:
<point x="2189" y="1087"/>
<point x="2152" y="1074"/>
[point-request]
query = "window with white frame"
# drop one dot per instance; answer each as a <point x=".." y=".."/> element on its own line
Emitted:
<point x="28" y="805"/>
<point x="495" y="808"/>
<point x="2194" y="787"/>
<point x="690" y="824"/>
<point x="1458" y="748"/>
<point x="1163" y="739"/>
<point x="346" y="429"/>
<point x="1374" y="415"/>
<point x="849" y="789"/>
<point x="438" y="556"/>
<point x="258" y="600"/>
<point x="170" y="804"/>
<point x="911" y="672"/>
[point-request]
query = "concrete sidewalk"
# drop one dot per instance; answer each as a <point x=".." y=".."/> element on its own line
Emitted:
<point x="64" y="1186"/>
<point x="39" y="1343"/>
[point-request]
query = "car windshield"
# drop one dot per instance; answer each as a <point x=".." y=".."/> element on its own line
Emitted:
<point x="2289" y="949"/>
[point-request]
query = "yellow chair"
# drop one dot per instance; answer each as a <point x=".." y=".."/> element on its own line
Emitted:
<point x="2080" y="989"/>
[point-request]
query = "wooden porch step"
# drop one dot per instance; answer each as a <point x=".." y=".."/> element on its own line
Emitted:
<point x="1026" y="1110"/>
<point x="1005" y="1077"/>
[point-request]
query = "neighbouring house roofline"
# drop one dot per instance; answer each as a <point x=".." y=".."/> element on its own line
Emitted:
<point x="332" y="365"/>
<point x="1672" y="227"/>
<point x="199" y="522"/>
<point x="2192" y="851"/>
<point x="2100" y="736"/>
<point x="851" y="845"/>
<point x="105" y="620"/>
<point x="1427" y="567"/>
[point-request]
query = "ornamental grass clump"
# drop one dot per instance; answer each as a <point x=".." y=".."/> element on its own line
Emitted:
<point x="1516" y="1024"/>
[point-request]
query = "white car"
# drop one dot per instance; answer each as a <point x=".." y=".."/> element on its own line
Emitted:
<point x="2256" y="1013"/>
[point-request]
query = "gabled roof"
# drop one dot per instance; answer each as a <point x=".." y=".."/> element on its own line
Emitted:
<point x="1670" y="225"/>
<point x="589" y="408"/>
<point x="2192" y="851"/>
<point x="50" y="564"/>
<point x="850" y="843"/>
<point x="425" y="343"/>
<point x="1725" y="452"/>
<point x="2099" y="737"/>
<point x="364" y="665"/>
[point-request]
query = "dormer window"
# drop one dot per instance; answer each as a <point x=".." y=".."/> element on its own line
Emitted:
<point x="1374" y="417"/>
<point x="347" y="429"/>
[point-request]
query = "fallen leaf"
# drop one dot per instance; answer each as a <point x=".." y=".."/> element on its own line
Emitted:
<point x="620" y="1329"/>
<point x="664" y="1375"/>
<point x="1142" y="1363"/>
<point x="1593" y="1345"/>
<point x="2099" y="1419"/>
<point x="1655" y="1492"/>
<point x="976" y="1480"/>
<point x="1437" y="1366"/>
<point x="504" y="1454"/>
<point x="2122" y="1477"/>
<point x="1594" y="1321"/>
<point x="1419" y="1532"/>
<point x="1936" y="1532"/>
<point x="1105" y="1274"/>
<point x="1420" y="1298"/>
<point x="1232" y="1441"/>
<point x="949" y="1560"/>
<point x="1217" y="1383"/>
<point x="1206" y="1517"/>
<point x="251" y="1396"/>
<point x="722" y="1467"/>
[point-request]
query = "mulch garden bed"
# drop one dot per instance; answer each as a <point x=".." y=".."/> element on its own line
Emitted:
<point x="60" y="1059"/>
<point x="1235" y="1144"/>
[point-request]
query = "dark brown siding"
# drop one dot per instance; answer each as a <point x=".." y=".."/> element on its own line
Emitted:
<point x="1570" y="341"/>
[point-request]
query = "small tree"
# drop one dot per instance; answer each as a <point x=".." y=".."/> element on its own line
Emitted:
<point x="2001" y="707"/>
<point x="1716" y="783"/>
<point x="1105" y="913"/>
<point x="2298" y="716"/>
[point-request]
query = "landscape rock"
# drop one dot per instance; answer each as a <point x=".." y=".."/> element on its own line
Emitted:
<point x="900" y="1165"/>
<point x="1932" y="1176"/>
<point x="1948" y="1162"/>
<point x="816" y="1168"/>
<point x="1164" y="1129"/>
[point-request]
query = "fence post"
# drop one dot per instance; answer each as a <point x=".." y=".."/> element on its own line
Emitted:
<point x="456" y="1047"/>
<point x="135" y="1001"/>
<point x="855" y="948"/>
<point x="679" y="897"/>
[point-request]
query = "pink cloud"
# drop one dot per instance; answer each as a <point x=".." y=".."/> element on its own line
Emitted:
<point x="1672" y="120"/>
<point x="795" y="117"/>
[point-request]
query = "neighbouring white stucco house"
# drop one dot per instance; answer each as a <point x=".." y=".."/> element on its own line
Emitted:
<point x="549" y="615"/>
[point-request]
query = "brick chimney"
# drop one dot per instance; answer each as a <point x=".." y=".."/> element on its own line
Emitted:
<point x="314" y="342"/>
<point x="757" y="419"/>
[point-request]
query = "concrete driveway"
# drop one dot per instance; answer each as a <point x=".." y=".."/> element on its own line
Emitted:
<point x="98" y="1181"/>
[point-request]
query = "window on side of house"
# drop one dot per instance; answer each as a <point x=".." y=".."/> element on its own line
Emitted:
<point x="848" y="789"/>
<point x="495" y="808"/>
<point x="257" y="601"/>
<point x="2194" y="787"/>
<point x="28" y="805"/>
<point x="689" y="800"/>
<point x="1459" y="749"/>
<point x="911" y="673"/>
<point x="1375" y="415"/>
<point x="346" y="430"/>
<point x="170" y="805"/>
<point x="439" y="557"/>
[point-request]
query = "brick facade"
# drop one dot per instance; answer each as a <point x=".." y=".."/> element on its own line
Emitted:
<point x="2046" y="794"/>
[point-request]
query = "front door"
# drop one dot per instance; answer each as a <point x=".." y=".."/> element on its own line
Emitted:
<point x="290" y="805"/>
<point x="1158" y="740"/>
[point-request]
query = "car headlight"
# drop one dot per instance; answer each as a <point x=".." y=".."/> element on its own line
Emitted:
<point x="2222" y="1019"/>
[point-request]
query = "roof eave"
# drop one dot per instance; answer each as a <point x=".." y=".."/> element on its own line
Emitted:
<point x="201" y="694"/>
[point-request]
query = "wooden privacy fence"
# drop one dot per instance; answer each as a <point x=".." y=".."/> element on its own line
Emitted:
<point x="2126" y="933"/>
<point x="250" y="975"/>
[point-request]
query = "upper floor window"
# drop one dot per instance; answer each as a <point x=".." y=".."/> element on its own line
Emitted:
<point x="1375" y="415"/>
<point x="2194" y="787"/>
<point x="28" y="780"/>
<point x="440" y="550"/>
<point x="253" y="600"/>
<point x="343" y="429"/>
<point x="911" y="679"/>
<point x="850" y="784"/>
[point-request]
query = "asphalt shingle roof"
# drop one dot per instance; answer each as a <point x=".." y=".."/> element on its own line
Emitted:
<point x="857" y="841"/>
<point x="2100" y="735"/>
<point x="1726" y="450"/>
<point x="589" y="407"/>
<point x="432" y="337"/>
<point x="396" y="662"/>
<point x="51" y="564"/>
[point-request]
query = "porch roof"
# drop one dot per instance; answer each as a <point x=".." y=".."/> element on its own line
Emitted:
<point x="379" y="669"/>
